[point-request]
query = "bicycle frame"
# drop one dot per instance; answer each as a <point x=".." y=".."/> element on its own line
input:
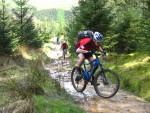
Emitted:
<point x="96" y="63"/>
<point x="106" y="82"/>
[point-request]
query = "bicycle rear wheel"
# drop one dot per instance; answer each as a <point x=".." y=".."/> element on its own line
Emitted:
<point x="80" y="84"/>
<point x="106" y="83"/>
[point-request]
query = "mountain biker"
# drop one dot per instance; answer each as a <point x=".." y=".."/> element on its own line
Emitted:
<point x="64" y="47"/>
<point x="87" y="43"/>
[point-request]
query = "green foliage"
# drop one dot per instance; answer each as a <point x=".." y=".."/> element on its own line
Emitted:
<point x="134" y="72"/>
<point x="144" y="35"/>
<point x="21" y="28"/>
<point x="33" y="83"/>
<point x="28" y="83"/>
<point x="94" y="15"/>
<point x="129" y="30"/>
<point x="126" y="34"/>
<point x="51" y="22"/>
<point x="146" y="8"/>
<point x="55" y="105"/>
<point x="5" y="30"/>
<point x="53" y="14"/>
<point x="124" y="24"/>
<point x="72" y="31"/>
<point x="61" y="21"/>
<point x="46" y="14"/>
<point x="23" y="25"/>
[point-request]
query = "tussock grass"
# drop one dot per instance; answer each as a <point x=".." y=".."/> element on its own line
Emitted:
<point x="55" y="105"/>
<point x="134" y="72"/>
<point x="32" y="82"/>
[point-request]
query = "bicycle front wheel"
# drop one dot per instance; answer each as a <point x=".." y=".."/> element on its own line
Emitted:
<point x="77" y="80"/>
<point x="106" y="83"/>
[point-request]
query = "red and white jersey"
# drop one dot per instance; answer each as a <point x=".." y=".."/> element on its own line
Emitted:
<point x="87" y="44"/>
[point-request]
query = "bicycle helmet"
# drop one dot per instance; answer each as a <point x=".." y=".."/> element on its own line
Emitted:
<point x="98" y="36"/>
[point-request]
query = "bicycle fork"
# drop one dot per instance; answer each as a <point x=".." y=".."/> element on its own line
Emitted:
<point x="103" y="77"/>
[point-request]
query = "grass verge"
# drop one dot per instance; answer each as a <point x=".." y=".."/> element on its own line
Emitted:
<point x="32" y="82"/>
<point x="134" y="72"/>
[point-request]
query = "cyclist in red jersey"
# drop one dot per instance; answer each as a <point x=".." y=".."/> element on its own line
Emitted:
<point x="86" y="45"/>
<point x="64" y="48"/>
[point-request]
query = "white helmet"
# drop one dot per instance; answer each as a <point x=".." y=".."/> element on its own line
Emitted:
<point x="98" y="36"/>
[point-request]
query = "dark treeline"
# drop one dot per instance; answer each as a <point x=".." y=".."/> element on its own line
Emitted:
<point x="124" y="23"/>
<point x="52" y="14"/>
<point x="55" y="18"/>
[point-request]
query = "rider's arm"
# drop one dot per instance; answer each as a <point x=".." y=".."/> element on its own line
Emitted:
<point x="101" y="49"/>
<point x="81" y="51"/>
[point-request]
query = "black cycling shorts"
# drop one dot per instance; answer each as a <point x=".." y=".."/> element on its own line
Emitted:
<point x="87" y="55"/>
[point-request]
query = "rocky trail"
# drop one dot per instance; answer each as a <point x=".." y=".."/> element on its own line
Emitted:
<point x="122" y="102"/>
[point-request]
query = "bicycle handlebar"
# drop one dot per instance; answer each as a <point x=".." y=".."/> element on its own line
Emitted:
<point x="95" y="53"/>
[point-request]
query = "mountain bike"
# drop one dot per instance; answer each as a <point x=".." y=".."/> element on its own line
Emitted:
<point x="105" y="81"/>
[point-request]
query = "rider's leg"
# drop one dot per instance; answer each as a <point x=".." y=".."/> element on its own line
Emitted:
<point x="78" y="65"/>
<point x="92" y="69"/>
<point x="65" y="51"/>
<point x="80" y="60"/>
<point x="90" y="59"/>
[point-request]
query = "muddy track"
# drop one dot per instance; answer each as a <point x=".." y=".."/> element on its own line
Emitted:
<point x="122" y="102"/>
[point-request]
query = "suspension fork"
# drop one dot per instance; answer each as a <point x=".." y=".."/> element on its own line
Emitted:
<point x="104" y="78"/>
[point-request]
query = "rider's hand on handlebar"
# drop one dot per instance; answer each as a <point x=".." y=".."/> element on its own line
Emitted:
<point x="91" y="52"/>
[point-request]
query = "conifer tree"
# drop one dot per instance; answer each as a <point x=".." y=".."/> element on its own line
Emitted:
<point x="24" y="26"/>
<point x="5" y="33"/>
<point x="94" y="14"/>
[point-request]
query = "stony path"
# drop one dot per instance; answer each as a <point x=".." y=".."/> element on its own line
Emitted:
<point x="122" y="102"/>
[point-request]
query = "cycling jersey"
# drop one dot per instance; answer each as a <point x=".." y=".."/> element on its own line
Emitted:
<point x="87" y="44"/>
